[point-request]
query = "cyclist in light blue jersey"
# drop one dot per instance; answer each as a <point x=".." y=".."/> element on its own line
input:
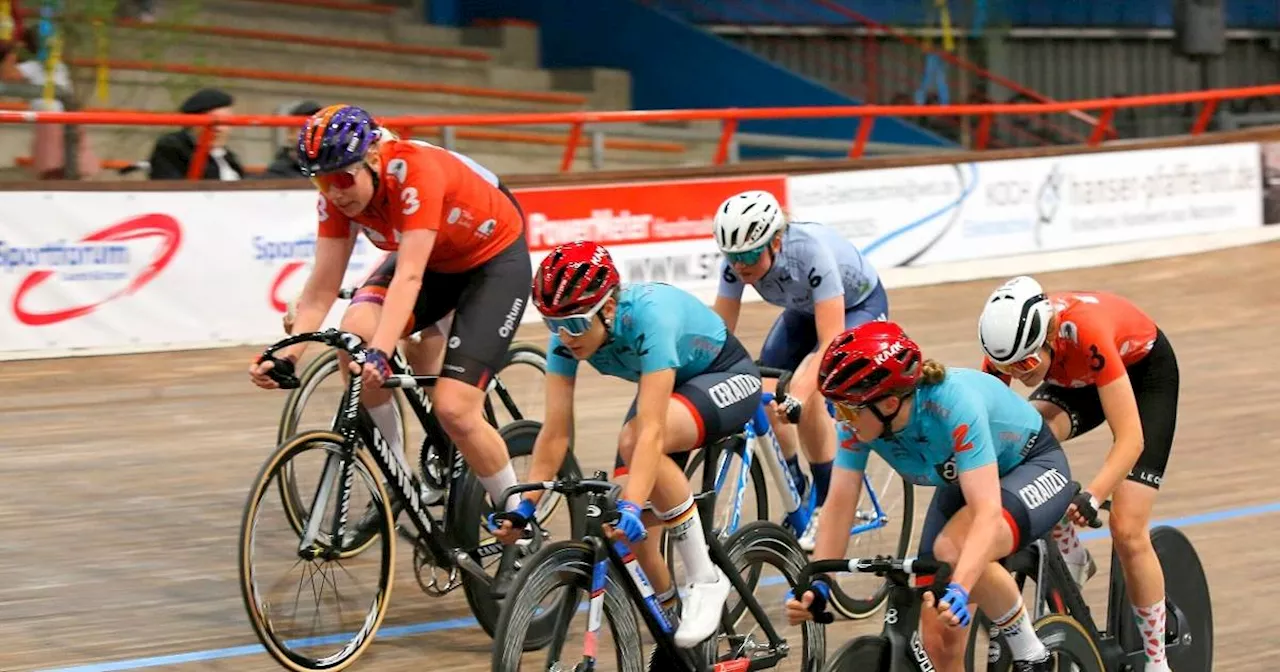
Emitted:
<point x="1001" y="478"/>
<point x="696" y="385"/>
<point x="823" y="285"/>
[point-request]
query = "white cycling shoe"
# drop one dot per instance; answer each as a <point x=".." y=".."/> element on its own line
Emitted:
<point x="700" y="610"/>
<point x="809" y="539"/>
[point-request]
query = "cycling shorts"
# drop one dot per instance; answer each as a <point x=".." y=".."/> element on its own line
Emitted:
<point x="722" y="399"/>
<point x="1155" y="386"/>
<point x="487" y="301"/>
<point x="1034" y="496"/>
<point x="794" y="334"/>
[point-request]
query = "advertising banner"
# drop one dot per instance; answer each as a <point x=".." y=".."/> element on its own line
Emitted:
<point x="932" y="214"/>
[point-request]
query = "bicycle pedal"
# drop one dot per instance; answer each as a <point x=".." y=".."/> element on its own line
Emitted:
<point x="735" y="665"/>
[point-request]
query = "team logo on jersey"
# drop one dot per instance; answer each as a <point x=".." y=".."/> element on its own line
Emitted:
<point x="1069" y="331"/>
<point x="1042" y="489"/>
<point x="398" y="169"/>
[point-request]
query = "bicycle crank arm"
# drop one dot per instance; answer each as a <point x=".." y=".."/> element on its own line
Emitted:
<point x="468" y="564"/>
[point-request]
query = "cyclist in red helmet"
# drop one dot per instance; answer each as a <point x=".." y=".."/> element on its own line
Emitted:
<point x="457" y="242"/>
<point x="696" y="385"/>
<point x="1001" y="479"/>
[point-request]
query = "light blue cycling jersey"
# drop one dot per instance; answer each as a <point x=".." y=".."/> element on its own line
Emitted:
<point x="814" y="264"/>
<point x="657" y="326"/>
<point x="969" y="420"/>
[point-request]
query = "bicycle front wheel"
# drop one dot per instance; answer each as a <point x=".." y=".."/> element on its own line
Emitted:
<point x="1069" y="644"/>
<point x="311" y="641"/>
<point x="553" y="583"/>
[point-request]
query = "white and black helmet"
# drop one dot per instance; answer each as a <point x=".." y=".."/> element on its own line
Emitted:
<point x="1015" y="321"/>
<point x="746" y="221"/>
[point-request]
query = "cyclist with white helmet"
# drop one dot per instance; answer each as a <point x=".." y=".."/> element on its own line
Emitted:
<point x="1095" y="356"/>
<point x="695" y="384"/>
<point x="824" y="285"/>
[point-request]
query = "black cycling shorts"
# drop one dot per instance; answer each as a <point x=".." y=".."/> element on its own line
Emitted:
<point x="488" y="302"/>
<point x="1034" y="496"/>
<point x="1155" y="386"/>
<point x="722" y="399"/>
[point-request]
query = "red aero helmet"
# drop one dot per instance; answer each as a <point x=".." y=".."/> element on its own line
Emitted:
<point x="573" y="278"/>
<point x="867" y="362"/>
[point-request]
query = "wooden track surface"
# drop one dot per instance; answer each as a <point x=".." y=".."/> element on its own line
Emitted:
<point x="125" y="478"/>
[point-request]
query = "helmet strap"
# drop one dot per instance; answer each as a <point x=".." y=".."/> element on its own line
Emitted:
<point x="886" y="419"/>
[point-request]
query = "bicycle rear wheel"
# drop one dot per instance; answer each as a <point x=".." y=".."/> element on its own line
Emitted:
<point x="321" y="569"/>
<point x="1187" y="589"/>
<point x="562" y="571"/>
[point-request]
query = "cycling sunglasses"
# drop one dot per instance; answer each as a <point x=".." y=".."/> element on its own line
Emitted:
<point x="342" y="179"/>
<point x="574" y="325"/>
<point x="1022" y="366"/>
<point x="748" y="258"/>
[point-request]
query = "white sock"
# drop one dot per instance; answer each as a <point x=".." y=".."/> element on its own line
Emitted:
<point x="494" y="484"/>
<point x="388" y="422"/>
<point x="1150" y="622"/>
<point x="685" y="527"/>
<point x="1020" y="634"/>
<point x="1069" y="543"/>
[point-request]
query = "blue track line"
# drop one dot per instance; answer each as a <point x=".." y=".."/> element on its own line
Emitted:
<point x="459" y="623"/>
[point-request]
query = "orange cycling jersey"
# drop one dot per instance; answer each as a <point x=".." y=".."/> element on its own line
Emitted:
<point x="1099" y="334"/>
<point x="422" y="186"/>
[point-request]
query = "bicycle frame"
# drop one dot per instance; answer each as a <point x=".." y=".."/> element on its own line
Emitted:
<point x="1056" y="587"/>
<point x="354" y="424"/>
<point x="763" y="445"/>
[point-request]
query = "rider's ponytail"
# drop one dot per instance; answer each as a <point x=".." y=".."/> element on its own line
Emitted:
<point x="932" y="372"/>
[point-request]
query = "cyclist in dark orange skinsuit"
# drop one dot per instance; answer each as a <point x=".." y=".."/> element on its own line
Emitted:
<point x="1096" y="356"/>
<point x="458" y="244"/>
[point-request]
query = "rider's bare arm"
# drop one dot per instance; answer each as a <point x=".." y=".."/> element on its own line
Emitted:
<point x="411" y="265"/>
<point x="650" y="426"/>
<point x="321" y="289"/>
<point x="729" y="310"/>
<point x="981" y="488"/>
<point x="838" y="516"/>
<point x="1120" y="407"/>
<point x="553" y="439"/>
<point x="828" y="315"/>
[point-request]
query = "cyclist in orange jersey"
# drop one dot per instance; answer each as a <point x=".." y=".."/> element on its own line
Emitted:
<point x="1095" y="356"/>
<point x="458" y="245"/>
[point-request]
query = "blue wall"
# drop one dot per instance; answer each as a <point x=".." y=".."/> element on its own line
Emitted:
<point x="1257" y="14"/>
<point x="676" y="65"/>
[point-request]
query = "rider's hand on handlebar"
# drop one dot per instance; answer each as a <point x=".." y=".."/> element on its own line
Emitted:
<point x="513" y="525"/>
<point x="954" y="605"/>
<point x="1084" y="510"/>
<point x="376" y="368"/>
<point x="810" y="605"/>
<point x="784" y="411"/>
<point x="629" y="527"/>
<point x="259" y="373"/>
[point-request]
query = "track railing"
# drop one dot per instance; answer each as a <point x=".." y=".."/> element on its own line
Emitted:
<point x="729" y="119"/>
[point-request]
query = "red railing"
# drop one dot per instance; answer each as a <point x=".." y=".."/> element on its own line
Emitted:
<point x="729" y="118"/>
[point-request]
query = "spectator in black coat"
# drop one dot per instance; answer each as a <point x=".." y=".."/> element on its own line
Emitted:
<point x="285" y="163"/>
<point x="173" y="151"/>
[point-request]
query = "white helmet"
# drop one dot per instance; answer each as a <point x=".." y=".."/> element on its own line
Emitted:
<point x="1015" y="321"/>
<point x="747" y="221"/>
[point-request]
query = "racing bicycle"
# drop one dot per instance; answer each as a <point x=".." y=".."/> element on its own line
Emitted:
<point x="1189" y="613"/>
<point x="448" y="550"/>
<point x="618" y="589"/>
<point x="881" y="513"/>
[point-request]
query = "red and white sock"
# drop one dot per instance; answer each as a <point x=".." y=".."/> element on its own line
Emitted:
<point x="1150" y="622"/>
<point x="1069" y="543"/>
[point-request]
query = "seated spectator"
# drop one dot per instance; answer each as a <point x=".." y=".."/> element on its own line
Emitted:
<point x="285" y="163"/>
<point x="48" y="142"/>
<point x="173" y="152"/>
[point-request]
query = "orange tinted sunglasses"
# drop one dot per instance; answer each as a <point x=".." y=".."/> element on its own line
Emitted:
<point x="342" y="179"/>
<point x="1022" y="366"/>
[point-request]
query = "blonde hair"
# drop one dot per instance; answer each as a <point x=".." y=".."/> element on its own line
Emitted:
<point x="932" y="372"/>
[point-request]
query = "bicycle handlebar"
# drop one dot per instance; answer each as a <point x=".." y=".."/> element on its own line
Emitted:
<point x="567" y="486"/>
<point x="282" y="370"/>
<point x="881" y="565"/>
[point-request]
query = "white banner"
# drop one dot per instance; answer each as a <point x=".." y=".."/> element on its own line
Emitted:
<point x="932" y="214"/>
